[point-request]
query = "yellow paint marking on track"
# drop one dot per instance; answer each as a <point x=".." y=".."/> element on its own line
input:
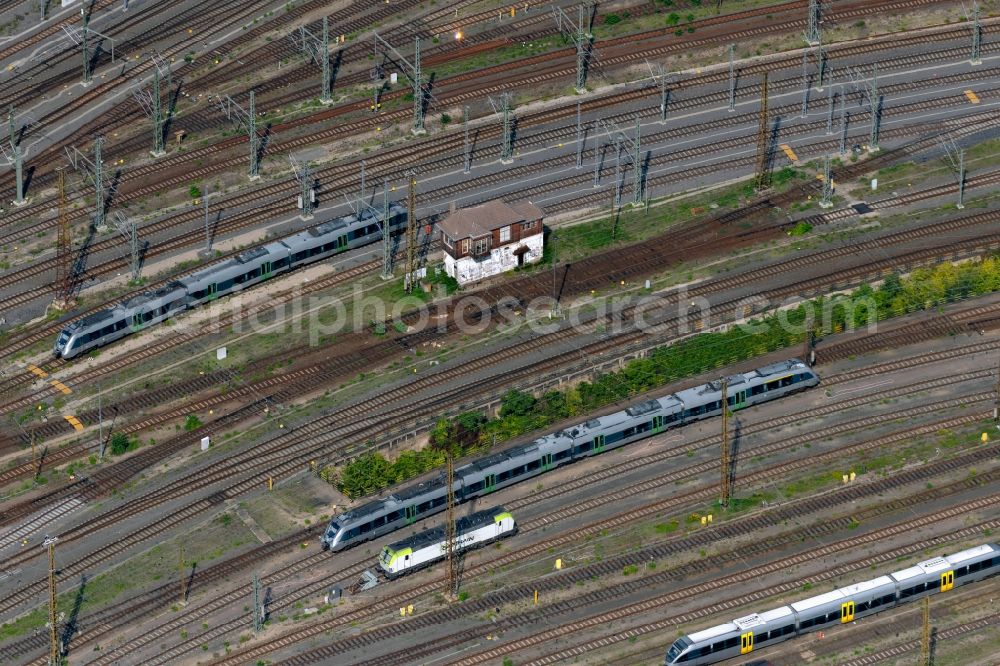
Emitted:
<point x="35" y="370"/>
<point x="789" y="152"/>
<point x="62" y="387"/>
<point x="75" y="422"/>
<point x="973" y="97"/>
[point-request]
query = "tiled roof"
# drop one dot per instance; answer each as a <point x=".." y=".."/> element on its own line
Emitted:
<point x="483" y="219"/>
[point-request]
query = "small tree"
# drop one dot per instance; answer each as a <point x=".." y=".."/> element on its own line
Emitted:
<point x="194" y="191"/>
<point x="119" y="443"/>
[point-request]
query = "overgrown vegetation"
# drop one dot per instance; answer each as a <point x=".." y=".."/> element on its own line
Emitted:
<point x="520" y="412"/>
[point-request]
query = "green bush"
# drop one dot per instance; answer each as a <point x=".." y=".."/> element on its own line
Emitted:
<point x="192" y="422"/>
<point x="120" y="443"/>
<point x="194" y="191"/>
<point x="521" y="412"/>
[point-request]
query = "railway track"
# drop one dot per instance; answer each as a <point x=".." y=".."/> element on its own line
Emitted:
<point x="734" y="529"/>
<point x="517" y="592"/>
<point x="353" y="128"/>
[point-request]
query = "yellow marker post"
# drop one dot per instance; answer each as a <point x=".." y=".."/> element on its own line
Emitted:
<point x="845" y="478"/>
<point x="409" y="609"/>
<point x="709" y="519"/>
<point x="853" y="476"/>
<point x="536" y="597"/>
<point x="985" y="438"/>
<point x="558" y="564"/>
<point x="704" y="520"/>
<point x="270" y="483"/>
<point x="402" y="612"/>
<point x="973" y="97"/>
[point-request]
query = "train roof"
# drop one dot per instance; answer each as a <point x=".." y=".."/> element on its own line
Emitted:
<point x="973" y="553"/>
<point x="928" y="566"/>
<point x="819" y="600"/>
<point x="713" y="632"/>
<point x="779" y="368"/>
<point x="437" y="534"/>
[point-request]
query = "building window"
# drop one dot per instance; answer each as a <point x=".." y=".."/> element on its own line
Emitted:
<point x="449" y="241"/>
<point x="505" y="234"/>
<point x="529" y="225"/>
<point x="465" y="245"/>
<point x="482" y="245"/>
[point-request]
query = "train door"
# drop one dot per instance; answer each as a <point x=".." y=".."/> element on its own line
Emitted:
<point x="947" y="580"/>
<point x="411" y="514"/>
<point x="657" y="424"/>
<point x="489" y="483"/>
<point x="546" y="461"/>
<point x="213" y="290"/>
<point x="746" y="642"/>
<point x="740" y="400"/>
<point x="598" y="443"/>
<point x="265" y="270"/>
<point x="847" y="612"/>
<point x="137" y="321"/>
<point x="341" y="243"/>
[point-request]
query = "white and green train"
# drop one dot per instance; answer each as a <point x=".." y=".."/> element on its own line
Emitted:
<point x="429" y="546"/>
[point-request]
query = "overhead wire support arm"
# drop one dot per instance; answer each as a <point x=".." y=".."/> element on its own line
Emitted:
<point x="581" y="36"/>
<point x="501" y="108"/>
<point x="306" y="180"/>
<point x="956" y="156"/>
<point x="247" y="120"/>
<point x="126" y="227"/>
<point x="94" y="172"/>
<point x="15" y="158"/>
<point x="412" y="72"/>
<point x="661" y="79"/>
<point x="151" y="104"/>
<point x="80" y="36"/>
<point x="318" y="49"/>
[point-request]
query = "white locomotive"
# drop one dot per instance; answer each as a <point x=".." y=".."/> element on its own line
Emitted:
<point x="429" y="546"/>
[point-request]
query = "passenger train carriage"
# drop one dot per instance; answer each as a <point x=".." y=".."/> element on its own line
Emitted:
<point x="225" y="277"/>
<point x="427" y="547"/>
<point x="745" y="634"/>
<point x="524" y="461"/>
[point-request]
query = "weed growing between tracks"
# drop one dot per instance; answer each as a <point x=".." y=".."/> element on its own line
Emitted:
<point x="923" y="289"/>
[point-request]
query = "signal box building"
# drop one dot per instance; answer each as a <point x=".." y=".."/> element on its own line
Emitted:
<point x="490" y="239"/>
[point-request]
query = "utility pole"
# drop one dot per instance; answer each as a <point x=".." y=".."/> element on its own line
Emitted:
<point x="579" y="139"/>
<point x="875" y="102"/>
<point x="182" y="575"/>
<point x="825" y="200"/>
<point x="467" y="165"/>
<point x="925" y="633"/>
<point x="126" y="227"/>
<point x="813" y="29"/>
<point x="829" y="110"/>
<point x="726" y="490"/>
<point x="637" y="166"/>
<point x="597" y="159"/>
<point x="661" y="80"/>
<point x="762" y="178"/>
<point x="977" y="34"/>
<point x="805" y="83"/>
<point x="207" y="251"/>
<point x="732" y="79"/>
<point x="318" y="50"/>
<point x="386" y="236"/>
<point x="16" y="159"/>
<point x="501" y="108"/>
<point x="413" y="73"/>
<point x="996" y="398"/>
<point x="100" y="422"/>
<point x="956" y="156"/>
<point x="307" y="194"/>
<point x="64" y="252"/>
<point x="581" y="37"/>
<point x="55" y="650"/>
<point x="247" y="120"/>
<point x="411" y="233"/>
<point x="81" y="36"/>
<point x="450" y="529"/>
<point x="93" y="171"/>
<point x="843" y="121"/>
<point x="258" y="606"/>
<point x="151" y="105"/>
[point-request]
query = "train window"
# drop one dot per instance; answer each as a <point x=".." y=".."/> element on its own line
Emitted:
<point x="504" y="475"/>
<point x="476" y="487"/>
<point x="961" y="571"/>
<point x="628" y="432"/>
<point x="670" y="418"/>
<point x="729" y="643"/>
<point x="787" y="381"/>
<point x="365" y="528"/>
<point x="561" y="455"/>
<point x="772" y="385"/>
<point x="757" y="390"/>
<point x="933" y="584"/>
<point x="380" y="521"/>
<point x="833" y="616"/>
<point x="616" y="436"/>
<point x="533" y="465"/>
<point x="439" y="501"/>
<point x="120" y="324"/>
